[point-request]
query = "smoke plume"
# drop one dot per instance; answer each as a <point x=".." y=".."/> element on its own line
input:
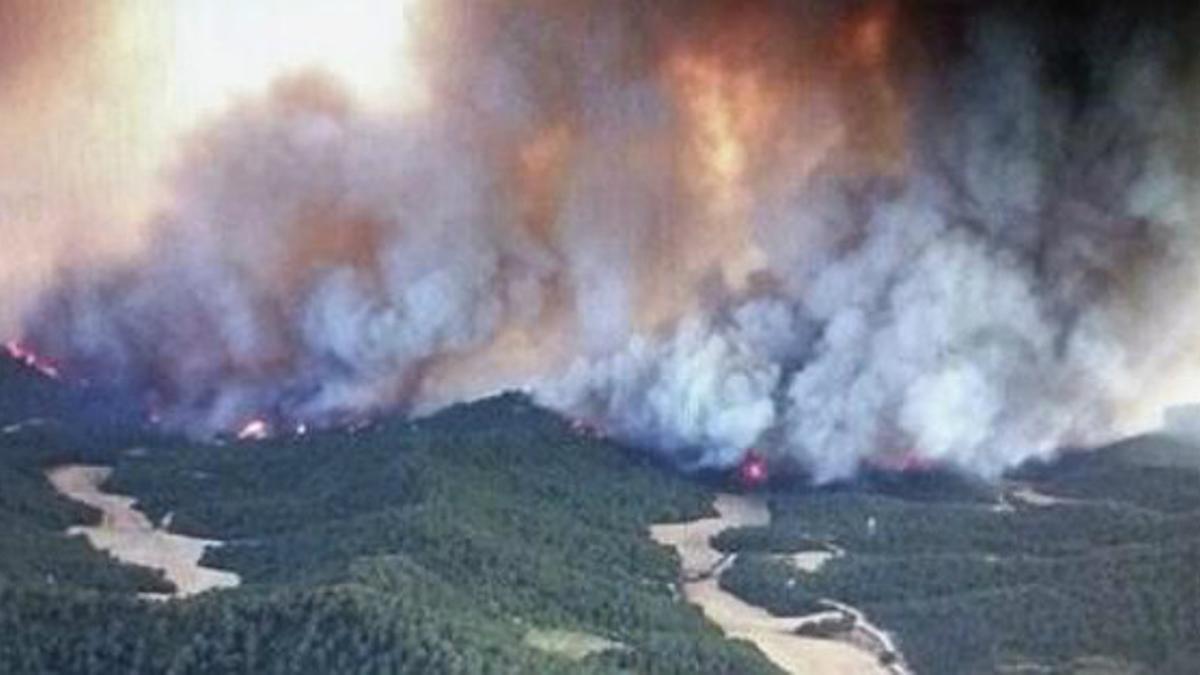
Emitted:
<point x="837" y="232"/>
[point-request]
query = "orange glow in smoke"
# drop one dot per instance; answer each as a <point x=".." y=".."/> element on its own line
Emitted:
<point x="876" y="109"/>
<point x="542" y="170"/>
<point x="729" y="112"/>
<point x="729" y="109"/>
<point x="869" y="35"/>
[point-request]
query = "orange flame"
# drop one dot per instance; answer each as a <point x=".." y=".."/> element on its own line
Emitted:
<point x="255" y="430"/>
<point x="32" y="359"/>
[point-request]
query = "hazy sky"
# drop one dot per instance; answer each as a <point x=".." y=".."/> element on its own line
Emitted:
<point x="95" y="97"/>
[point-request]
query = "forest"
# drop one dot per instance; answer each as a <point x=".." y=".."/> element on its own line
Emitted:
<point x="439" y="545"/>
<point x="1100" y="571"/>
<point x="406" y="547"/>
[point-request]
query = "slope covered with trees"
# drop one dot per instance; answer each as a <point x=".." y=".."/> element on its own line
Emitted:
<point x="428" y="547"/>
<point x="1090" y="561"/>
<point x="442" y="545"/>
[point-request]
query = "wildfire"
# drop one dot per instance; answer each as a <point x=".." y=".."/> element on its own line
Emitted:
<point x="32" y="359"/>
<point x="753" y="470"/>
<point x="255" y="430"/>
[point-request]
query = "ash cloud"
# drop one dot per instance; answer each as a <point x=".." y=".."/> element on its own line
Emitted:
<point x="836" y="232"/>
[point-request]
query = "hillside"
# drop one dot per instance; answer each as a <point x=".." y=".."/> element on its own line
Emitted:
<point x="1085" y="565"/>
<point x="493" y="537"/>
<point x="457" y="544"/>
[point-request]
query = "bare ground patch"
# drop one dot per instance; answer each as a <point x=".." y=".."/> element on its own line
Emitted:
<point x="775" y="636"/>
<point x="129" y="536"/>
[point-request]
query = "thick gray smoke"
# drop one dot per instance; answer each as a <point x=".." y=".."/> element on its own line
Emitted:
<point x="835" y="232"/>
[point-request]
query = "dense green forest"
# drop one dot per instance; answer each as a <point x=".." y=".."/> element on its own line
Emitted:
<point x="440" y="545"/>
<point x="428" y="547"/>
<point x="39" y="428"/>
<point x="33" y="551"/>
<point x="1106" y="576"/>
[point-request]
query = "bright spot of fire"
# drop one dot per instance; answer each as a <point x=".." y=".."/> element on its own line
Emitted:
<point x="255" y="430"/>
<point x="32" y="359"/>
<point x="753" y="469"/>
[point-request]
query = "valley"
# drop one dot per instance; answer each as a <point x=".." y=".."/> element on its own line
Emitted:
<point x="495" y="537"/>
<point x="702" y="567"/>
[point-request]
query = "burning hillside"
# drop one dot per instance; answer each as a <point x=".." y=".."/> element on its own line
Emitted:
<point x="836" y="232"/>
<point x="27" y="357"/>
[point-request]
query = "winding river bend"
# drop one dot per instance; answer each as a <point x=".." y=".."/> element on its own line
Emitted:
<point x="129" y="536"/>
<point x="774" y="636"/>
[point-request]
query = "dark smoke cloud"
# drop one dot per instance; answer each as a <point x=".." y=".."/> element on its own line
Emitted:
<point x="839" y="232"/>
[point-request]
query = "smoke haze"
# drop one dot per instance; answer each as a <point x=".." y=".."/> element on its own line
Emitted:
<point x="838" y="232"/>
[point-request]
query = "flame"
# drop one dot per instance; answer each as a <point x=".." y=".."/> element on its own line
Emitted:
<point x="753" y="470"/>
<point x="32" y="359"/>
<point x="255" y="430"/>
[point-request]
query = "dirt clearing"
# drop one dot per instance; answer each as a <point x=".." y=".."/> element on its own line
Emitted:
<point x="129" y="536"/>
<point x="774" y="636"/>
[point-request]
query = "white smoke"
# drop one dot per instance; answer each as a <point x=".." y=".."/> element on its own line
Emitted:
<point x="700" y="389"/>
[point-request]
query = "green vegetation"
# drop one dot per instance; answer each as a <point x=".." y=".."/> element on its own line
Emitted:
<point x="25" y="394"/>
<point x="492" y="539"/>
<point x="430" y="547"/>
<point x="33" y="549"/>
<point x="1154" y="472"/>
<point x="969" y="587"/>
